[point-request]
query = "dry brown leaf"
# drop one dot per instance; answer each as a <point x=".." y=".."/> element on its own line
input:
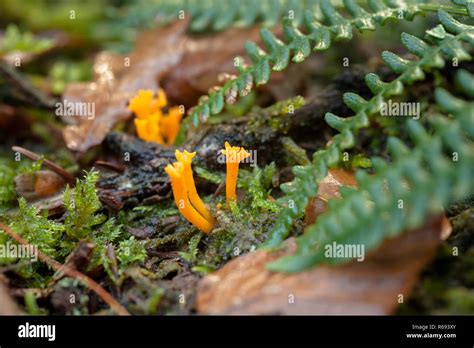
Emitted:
<point x="40" y="184"/>
<point x="244" y="286"/>
<point x="117" y="79"/>
<point x="374" y="286"/>
<point x="204" y="60"/>
<point x="185" y="67"/>
<point x="328" y="188"/>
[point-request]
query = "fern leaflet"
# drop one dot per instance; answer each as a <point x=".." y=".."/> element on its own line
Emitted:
<point x="424" y="178"/>
<point x="316" y="35"/>
<point x="304" y="186"/>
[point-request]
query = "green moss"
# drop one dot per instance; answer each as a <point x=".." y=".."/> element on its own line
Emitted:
<point x="168" y="267"/>
<point x="276" y="116"/>
<point x="58" y="239"/>
<point x="203" y="269"/>
<point x="82" y="205"/>
<point x="447" y="286"/>
<point x="31" y="305"/>
<point x="9" y="169"/>
<point x="242" y="106"/>
<point x="190" y="255"/>
<point x="294" y="153"/>
<point x="108" y="234"/>
<point x="215" y="178"/>
<point x="130" y="251"/>
<point x="147" y="215"/>
<point x="234" y="236"/>
<point x="40" y="232"/>
<point x="351" y="162"/>
<point x="62" y="73"/>
<point x="258" y="185"/>
<point x="37" y="229"/>
<point x="16" y="41"/>
<point x="153" y="301"/>
<point x="142" y="292"/>
<point x="459" y="301"/>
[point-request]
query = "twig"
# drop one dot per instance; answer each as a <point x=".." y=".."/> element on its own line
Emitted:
<point x="116" y="167"/>
<point x="21" y="91"/>
<point x="91" y="284"/>
<point x="51" y="165"/>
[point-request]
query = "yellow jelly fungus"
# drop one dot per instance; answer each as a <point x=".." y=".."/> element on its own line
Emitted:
<point x="149" y="129"/>
<point x="185" y="158"/>
<point x="143" y="104"/>
<point x="161" y="100"/>
<point x="151" y="123"/>
<point x="180" y="193"/>
<point x="234" y="155"/>
<point x="170" y="125"/>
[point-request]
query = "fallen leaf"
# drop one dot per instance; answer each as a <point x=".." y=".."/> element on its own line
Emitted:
<point x="204" y="60"/>
<point x="328" y="188"/>
<point x="185" y="66"/>
<point x="117" y="79"/>
<point x="54" y="205"/>
<point x="372" y="287"/>
<point x="245" y="286"/>
<point x="40" y="184"/>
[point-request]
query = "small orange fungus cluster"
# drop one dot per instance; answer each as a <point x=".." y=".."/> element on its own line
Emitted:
<point x="184" y="190"/>
<point x="185" y="194"/>
<point x="234" y="155"/>
<point x="151" y="122"/>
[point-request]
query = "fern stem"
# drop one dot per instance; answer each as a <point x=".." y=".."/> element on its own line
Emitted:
<point x="298" y="46"/>
<point x="456" y="10"/>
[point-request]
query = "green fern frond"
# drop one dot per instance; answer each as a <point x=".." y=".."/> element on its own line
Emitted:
<point x="316" y="35"/>
<point x="304" y="186"/>
<point x="469" y="4"/>
<point x="424" y="179"/>
<point x="218" y="15"/>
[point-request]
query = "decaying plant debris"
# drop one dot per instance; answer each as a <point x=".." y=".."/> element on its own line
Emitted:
<point x="97" y="202"/>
